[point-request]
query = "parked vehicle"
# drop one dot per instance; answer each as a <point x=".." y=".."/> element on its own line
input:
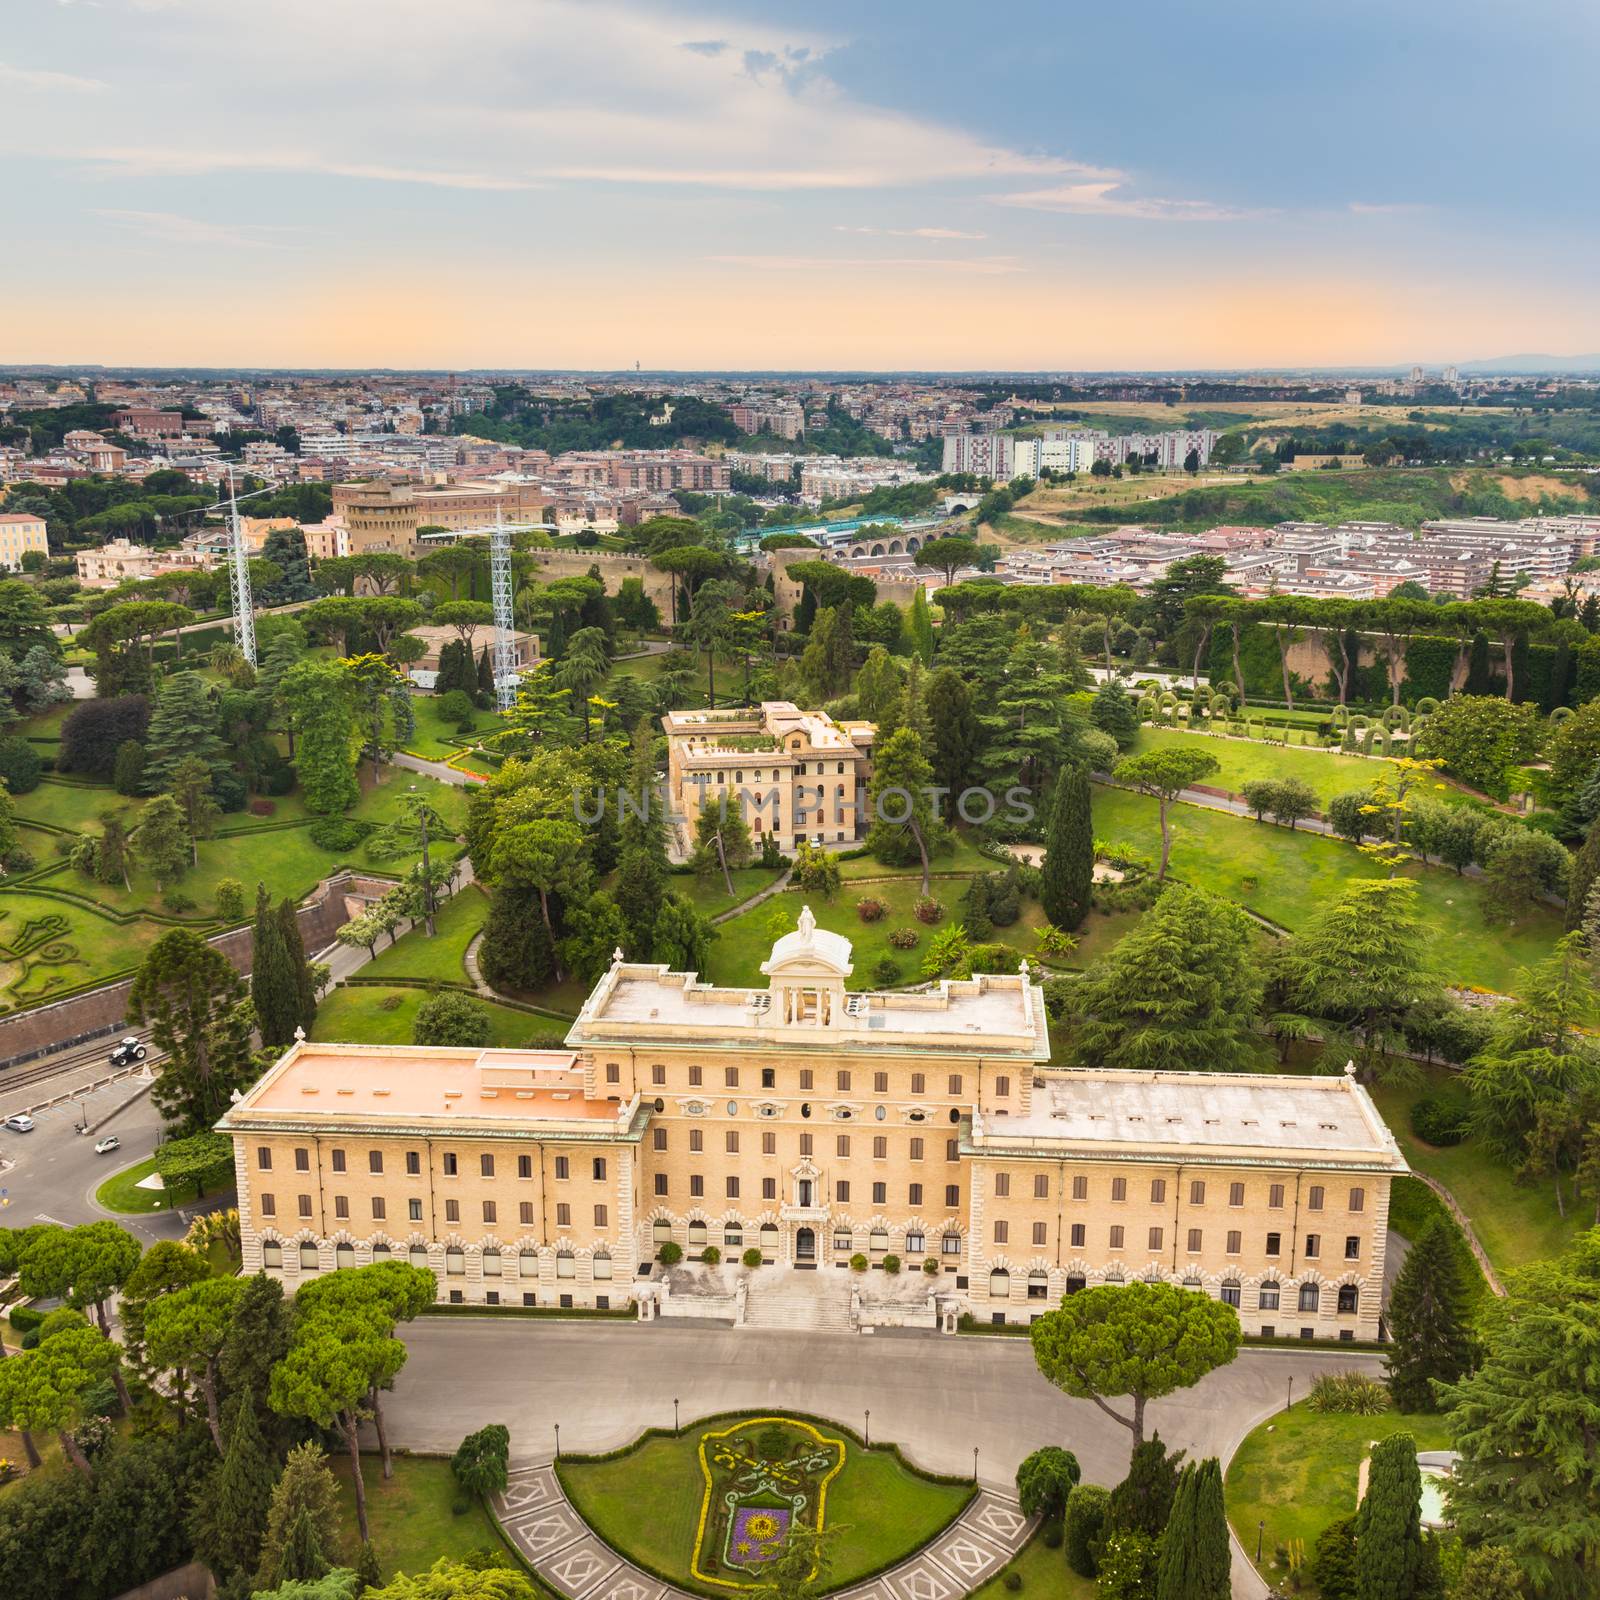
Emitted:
<point x="128" y="1050"/>
<point x="21" y="1123"/>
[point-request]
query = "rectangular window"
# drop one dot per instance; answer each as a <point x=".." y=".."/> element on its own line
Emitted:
<point x="525" y="1213"/>
<point x="697" y="1140"/>
<point x="769" y="1144"/>
<point x="730" y="1141"/>
<point x="1314" y="1198"/>
<point x="1002" y="1233"/>
<point x="733" y="1188"/>
<point x="1119" y="1188"/>
<point x="1197" y="1192"/>
<point x="414" y="1210"/>
<point x="697" y="1186"/>
<point x="1116" y="1236"/>
<point x="1235" y="1241"/>
<point x="449" y="1163"/>
<point x="263" y="1159"/>
<point x="769" y="1188"/>
<point x="1313" y="1246"/>
<point x="658" y="1076"/>
<point x="563" y="1214"/>
<point x="1158" y="1191"/>
<point x="880" y="1147"/>
<point x="952" y="1196"/>
<point x="880" y="1083"/>
<point x="599" y="1170"/>
<point x="842" y="1078"/>
<point x="1080" y="1188"/>
<point x="302" y="1159"/>
<point x="413" y="1163"/>
<point x="914" y="1194"/>
<point x="489" y="1214"/>
<point x="305" y="1205"/>
<point x="841" y="1144"/>
<point x="658" y="1138"/>
<point x="880" y="1194"/>
<point x="1352" y="1247"/>
<point x="452" y="1211"/>
<point x="1002" y="1086"/>
<point x="1274" y="1244"/>
<point x="374" y="1161"/>
<point x="808" y="1078"/>
<point x="1194" y="1240"/>
<point x="1275" y="1197"/>
<point x="730" y="1077"/>
<point x="1358" y="1199"/>
<point x="919" y="1083"/>
<point x="696" y="1077"/>
<point x="613" y="1072"/>
<point x="486" y="1166"/>
<point x="378" y="1212"/>
<point x="1039" y="1232"/>
<point x="269" y="1205"/>
<point x="563" y="1167"/>
<point x="841" y="1191"/>
<point x="952" y="1149"/>
<point x="601" y="1217"/>
<point x="916" y="1148"/>
<point x="1002" y="1185"/>
<point x="1041" y="1186"/>
<point x="338" y="1160"/>
<point x="1078" y="1236"/>
<point x="341" y="1206"/>
<point x="525" y="1163"/>
<point x="1155" y="1239"/>
<point x="1235" y="1194"/>
<point x="955" y="1083"/>
<point x="661" y="1183"/>
<point x="807" y="1145"/>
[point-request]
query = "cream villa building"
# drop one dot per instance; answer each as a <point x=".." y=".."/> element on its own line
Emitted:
<point x="797" y="774"/>
<point x="815" y="1123"/>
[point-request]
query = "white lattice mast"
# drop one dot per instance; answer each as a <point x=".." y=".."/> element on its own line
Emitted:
<point x="505" y="644"/>
<point x="244" y="614"/>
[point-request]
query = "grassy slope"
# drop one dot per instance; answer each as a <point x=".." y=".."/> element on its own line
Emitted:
<point x="708" y="894"/>
<point x="1297" y="1472"/>
<point x="1286" y="877"/>
<point x="357" y="1016"/>
<point x="881" y="1509"/>
<point x="442" y="957"/>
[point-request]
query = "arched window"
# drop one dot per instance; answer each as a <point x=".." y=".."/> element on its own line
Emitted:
<point x="999" y="1284"/>
<point x="455" y="1262"/>
<point x="1114" y="1278"/>
<point x="271" y="1253"/>
<point x="1310" y="1296"/>
<point x="950" y="1244"/>
<point x="491" y="1263"/>
<point x="697" y="1235"/>
<point x="1230" y="1291"/>
<point x="1038" y="1284"/>
<point x="308" y="1257"/>
<point x="916" y="1242"/>
<point x="602" y="1266"/>
<point x="769" y="1239"/>
<point x="1192" y="1282"/>
<point x="419" y="1255"/>
<point x="527" y="1263"/>
<point x="566" y="1264"/>
<point x="733" y="1236"/>
<point x="344" y="1255"/>
<point x="381" y="1251"/>
<point x="661" y="1230"/>
<point x="878" y="1239"/>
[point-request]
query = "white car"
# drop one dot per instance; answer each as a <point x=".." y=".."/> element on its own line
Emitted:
<point x="21" y="1123"/>
<point x="106" y="1145"/>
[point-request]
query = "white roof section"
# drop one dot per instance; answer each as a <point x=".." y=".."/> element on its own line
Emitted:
<point x="809" y="949"/>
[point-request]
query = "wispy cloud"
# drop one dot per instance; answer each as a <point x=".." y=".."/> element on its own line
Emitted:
<point x="911" y="233"/>
<point x="986" y="266"/>
<point x="172" y="228"/>
<point x="1385" y="208"/>
<point x="199" y="161"/>
<point x="1107" y="197"/>
<point x="38" y="78"/>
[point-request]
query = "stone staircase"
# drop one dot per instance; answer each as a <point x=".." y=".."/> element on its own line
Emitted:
<point x="779" y="1297"/>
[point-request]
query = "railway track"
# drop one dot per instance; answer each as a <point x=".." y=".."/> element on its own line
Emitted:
<point x="88" y="1068"/>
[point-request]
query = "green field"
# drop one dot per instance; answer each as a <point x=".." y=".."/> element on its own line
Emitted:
<point x="882" y="1511"/>
<point x="1297" y="1472"/>
<point x="358" y="1015"/>
<point x="410" y="1516"/>
<point x="442" y="957"/>
<point x="434" y="733"/>
<point x="49" y="944"/>
<point x="1044" y="1573"/>
<point x="708" y="894"/>
<point x="1287" y="876"/>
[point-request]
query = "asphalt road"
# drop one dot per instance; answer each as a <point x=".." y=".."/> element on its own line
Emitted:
<point x="50" y="1175"/>
<point x="938" y="1396"/>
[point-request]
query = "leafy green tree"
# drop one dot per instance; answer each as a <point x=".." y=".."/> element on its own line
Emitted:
<point x="320" y="704"/>
<point x="43" y="1389"/>
<point x="305" y="983"/>
<point x="947" y="556"/>
<point x="1113" y="712"/>
<point x="1389" y="1523"/>
<point x="546" y="857"/>
<point x="161" y="841"/>
<point x="1584" y="874"/>
<point x="164" y="1268"/>
<point x="230" y="1513"/>
<point x="1127" y="1564"/>
<point x="1141" y="1340"/>
<point x="454" y="1580"/>
<point x="1179" y="994"/>
<point x="302" y="1525"/>
<point x="956" y="737"/>
<point x="682" y="937"/>
<point x="1066" y="888"/>
<point x="1429" y="1321"/>
<point x="185" y="1333"/>
<point x="183" y="727"/>
<point x="1489" y="1573"/>
<point x="190" y="788"/>
<point x="901" y="805"/>
<point x="1479" y="738"/>
<point x="448" y="1017"/>
<point x="1044" y="1480"/>
<point x="722" y="840"/>
<point x="194" y="1161"/>
<point x="1142" y="1502"/>
<point x="188" y="993"/>
<point x="480" y="1461"/>
<point x="1333" y="1560"/>
<point x="919" y="627"/>
<point x="1165" y="774"/>
<point x="1293" y="799"/>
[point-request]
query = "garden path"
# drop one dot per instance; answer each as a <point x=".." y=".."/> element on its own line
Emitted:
<point x="573" y="1562"/>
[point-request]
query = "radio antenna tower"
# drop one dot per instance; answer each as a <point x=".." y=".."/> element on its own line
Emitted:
<point x="505" y="650"/>
<point x="244" y="615"/>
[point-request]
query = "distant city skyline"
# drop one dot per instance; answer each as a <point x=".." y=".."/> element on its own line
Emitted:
<point x="498" y="184"/>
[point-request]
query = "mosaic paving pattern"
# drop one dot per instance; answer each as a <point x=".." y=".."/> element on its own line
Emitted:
<point x="558" y="1545"/>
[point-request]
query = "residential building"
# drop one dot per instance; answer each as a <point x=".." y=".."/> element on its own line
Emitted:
<point x="20" y="532"/>
<point x="423" y="672"/>
<point x="122" y="561"/>
<point x="816" y="1123"/>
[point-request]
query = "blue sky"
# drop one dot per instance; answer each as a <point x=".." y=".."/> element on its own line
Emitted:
<point x="589" y="182"/>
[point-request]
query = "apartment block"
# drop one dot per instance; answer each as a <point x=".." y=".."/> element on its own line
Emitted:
<point x="20" y="532"/>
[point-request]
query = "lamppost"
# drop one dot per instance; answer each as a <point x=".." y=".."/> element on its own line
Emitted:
<point x="674" y="1417"/>
<point x="868" y="1434"/>
<point x="974" y="1463"/>
<point x="1261" y="1528"/>
<point x="558" y="1441"/>
<point x="1291" y="1394"/>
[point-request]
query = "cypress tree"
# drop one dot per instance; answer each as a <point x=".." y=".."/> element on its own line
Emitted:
<point x="273" y="986"/>
<point x="1067" y="879"/>
<point x="1195" y="1561"/>
<point x="230" y="1510"/>
<point x="919" y="626"/>
<point x="289" y="921"/>
<point x="1478" y="664"/>
<point x="257" y="1339"/>
<point x="485" y="675"/>
<point x="642" y="860"/>
<point x="1142" y="1502"/>
<point x="1428" y="1320"/>
<point x="1585" y="870"/>
<point x="1389" y="1523"/>
<point x="302" y="1520"/>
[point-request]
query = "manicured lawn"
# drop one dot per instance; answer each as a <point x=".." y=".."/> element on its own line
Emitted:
<point x="1297" y="1472"/>
<point x="410" y="1516"/>
<point x="746" y="941"/>
<point x="120" y="1192"/>
<point x="962" y="857"/>
<point x="417" y="956"/>
<point x="1287" y="876"/>
<point x="358" y="1016"/>
<point x="1515" y="1222"/>
<point x="73" y="805"/>
<point x="647" y="1504"/>
<point x="1045" y="1576"/>
<point x="708" y="894"/>
<point x="434" y="732"/>
<point x="381" y="802"/>
<point x="47" y="945"/>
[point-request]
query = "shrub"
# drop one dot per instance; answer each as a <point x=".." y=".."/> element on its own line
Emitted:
<point x="335" y="833"/>
<point x="931" y="1266"/>
<point x="929" y="910"/>
<point x="858" y="1262"/>
<point x="20" y="765"/>
<point x="1085" y="1517"/>
<point x="25" y="1318"/>
<point x="1045" y="1480"/>
<point x="1442" y="1118"/>
<point x="456" y="707"/>
<point x="891" y="1264"/>
<point x="448" y="1017"/>
<point x="1012" y="1581"/>
<point x="260" y="807"/>
<point x="127" y="773"/>
<point x="1052" y="1535"/>
<point x="1348" y="1393"/>
<point x="670" y="1253"/>
<point x="887" y="972"/>
<point x="391" y="1002"/>
<point x="1333" y="1560"/>
<point x="480" y="1461"/>
<point x="752" y="1257"/>
<point x="905" y="938"/>
<point x="177" y="902"/>
<point x="230" y="793"/>
<point x="711" y="1255"/>
<point x="229" y="899"/>
<point x="19" y="858"/>
<point x="871" y="909"/>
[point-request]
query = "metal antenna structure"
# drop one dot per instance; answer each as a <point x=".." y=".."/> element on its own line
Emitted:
<point x="505" y="648"/>
<point x="244" y="615"/>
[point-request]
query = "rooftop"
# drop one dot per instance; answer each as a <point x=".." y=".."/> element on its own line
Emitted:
<point x="329" y="1085"/>
<point x="1329" y="1119"/>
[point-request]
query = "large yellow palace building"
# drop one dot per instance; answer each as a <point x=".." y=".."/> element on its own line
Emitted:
<point x="815" y="1123"/>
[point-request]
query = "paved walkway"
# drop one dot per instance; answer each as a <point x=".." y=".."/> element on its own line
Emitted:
<point x="776" y="887"/>
<point x="558" y="1544"/>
